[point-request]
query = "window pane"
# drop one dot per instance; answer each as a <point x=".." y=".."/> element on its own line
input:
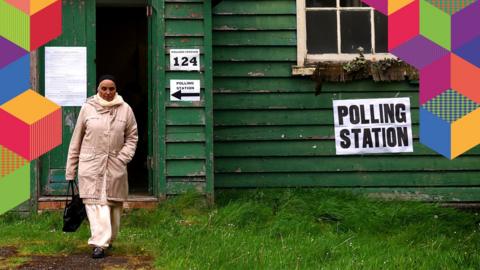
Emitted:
<point x="352" y="3"/>
<point x="355" y="29"/>
<point x="321" y="3"/>
<point x="381" y="32"/>
<point x="321" y="32"/>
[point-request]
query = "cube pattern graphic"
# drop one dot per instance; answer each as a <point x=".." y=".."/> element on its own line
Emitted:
<point x="34" y="124"/>
<point x="30" y="124"/>
<point x="441" y="38"/>
<point x="30" y="24"/>
<point x="10" y="162"/>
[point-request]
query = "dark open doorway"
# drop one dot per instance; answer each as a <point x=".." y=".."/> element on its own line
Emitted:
<point x="122" y="42"/>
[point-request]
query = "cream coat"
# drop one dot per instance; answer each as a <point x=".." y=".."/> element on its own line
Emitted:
<point x="103" y="142"/>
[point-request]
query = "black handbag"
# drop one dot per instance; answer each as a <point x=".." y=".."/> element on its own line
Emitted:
<point x="74" y="212"/>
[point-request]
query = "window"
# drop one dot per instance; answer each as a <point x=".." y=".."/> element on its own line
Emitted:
<point x="333" y="30"/>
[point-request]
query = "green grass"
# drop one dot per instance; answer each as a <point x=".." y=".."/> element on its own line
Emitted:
<point x="274" y="229"/>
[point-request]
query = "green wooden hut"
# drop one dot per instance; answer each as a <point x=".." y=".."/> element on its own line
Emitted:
<point x="262" y="120"/>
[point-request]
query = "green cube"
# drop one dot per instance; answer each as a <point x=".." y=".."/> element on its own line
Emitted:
<point x="14" y="188"/>
<point x="435" y="24"/>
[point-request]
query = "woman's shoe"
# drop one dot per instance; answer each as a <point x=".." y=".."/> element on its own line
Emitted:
<point x="98" y="253"/>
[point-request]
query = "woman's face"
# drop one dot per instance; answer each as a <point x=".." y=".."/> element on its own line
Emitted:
<point x="107" y="90"/>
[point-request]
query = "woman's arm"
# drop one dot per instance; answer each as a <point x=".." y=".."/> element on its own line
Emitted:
<point x="131" y="139"/>
<point x="75" y="146"/>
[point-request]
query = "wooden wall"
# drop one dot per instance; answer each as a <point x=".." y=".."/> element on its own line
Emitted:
<point x="186" y="127"/>
<point x="270" y="129"/>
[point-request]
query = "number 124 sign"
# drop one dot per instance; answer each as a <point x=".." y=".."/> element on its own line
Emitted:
<point x="184" y="59"/>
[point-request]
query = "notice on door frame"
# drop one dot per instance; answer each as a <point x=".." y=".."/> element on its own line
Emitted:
<point x="66" y="75"/>
<point x="367" y="126"/>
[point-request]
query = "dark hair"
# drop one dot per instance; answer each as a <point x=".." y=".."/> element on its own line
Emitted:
<point x="107" y="77"/>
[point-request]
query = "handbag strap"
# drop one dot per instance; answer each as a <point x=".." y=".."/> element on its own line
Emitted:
<point x="70" y="186"/>
<point x="76" y="188"/>
<point x="72" y="193"/>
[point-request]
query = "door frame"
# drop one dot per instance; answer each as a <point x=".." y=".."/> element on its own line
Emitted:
<point x="156" y="62"/>
<point x="40" y="168"/>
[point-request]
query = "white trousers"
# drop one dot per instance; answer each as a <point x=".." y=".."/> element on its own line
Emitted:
<point x="104" y="223"/>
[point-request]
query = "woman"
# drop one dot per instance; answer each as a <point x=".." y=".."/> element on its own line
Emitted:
<point x="103" y="142"/>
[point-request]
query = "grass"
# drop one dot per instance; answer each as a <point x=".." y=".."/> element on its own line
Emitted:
<point x="274" y="229"/>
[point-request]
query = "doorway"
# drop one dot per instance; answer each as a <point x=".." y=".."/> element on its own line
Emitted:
<point x="122" y="51"/>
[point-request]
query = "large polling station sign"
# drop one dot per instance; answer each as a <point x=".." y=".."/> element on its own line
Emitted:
<point x="366" y="126"/>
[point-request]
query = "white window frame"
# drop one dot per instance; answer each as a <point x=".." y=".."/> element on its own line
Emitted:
<point x="303" y="58"/>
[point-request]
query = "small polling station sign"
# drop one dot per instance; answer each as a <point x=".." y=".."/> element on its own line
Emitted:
<point x="368" y="126"/>
<point x="185" y="90"/>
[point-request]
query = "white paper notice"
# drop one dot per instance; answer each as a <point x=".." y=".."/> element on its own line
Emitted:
<point x="185" y="59"/>
<point x="185" y="90"/>
<point x="66" y="75"/>
<point x="368" y="126"/>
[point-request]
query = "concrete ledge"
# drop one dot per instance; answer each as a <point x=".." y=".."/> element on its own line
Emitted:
<point x="133" y="202"/>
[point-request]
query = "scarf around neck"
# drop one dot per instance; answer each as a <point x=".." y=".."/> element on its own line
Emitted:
<point x="116" y="100"/>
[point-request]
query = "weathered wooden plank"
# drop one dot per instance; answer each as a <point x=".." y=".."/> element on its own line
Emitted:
<point x="185" y="168"/>
<point x="181" y="28"/>
<point x="347" y="179"/>
<point x="156" y="57"/>
<point x="182" y="75"/>
<point x="324" y="147"/>
<point x="183" y="11"/>
<point x="186" y="179"/>
<point x="185" y="134"/>
<point x="429" y="194"/>
<point x="209" y="170"/>
<point x="183" y="42"/>
<point x="185" y="116"/>
<point x="256" y="22"/>
<point x="255" y="38"/>
<point x="279" y="117"/>
<point x="184" y="104"/>
<point x="255" y="7"/>
<point x="253" y="69"/>
<point x="184" y="1"/>
<point x="296" y="84"/>
<point x="282" y="133"/>
<point x="340" y="164"/>
<point x="266" y="53"/>
<point x="184" y="150"/>
<point x="260" y="133"/>
<point x="298" y="100"/>
<point x="174" y="188"/>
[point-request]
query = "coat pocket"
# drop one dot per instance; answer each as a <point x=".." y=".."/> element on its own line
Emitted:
<point x="86" y="156"/>
<point x="88" y="165"/>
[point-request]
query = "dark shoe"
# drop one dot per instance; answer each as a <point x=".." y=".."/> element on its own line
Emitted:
<point x="98" y="253"/>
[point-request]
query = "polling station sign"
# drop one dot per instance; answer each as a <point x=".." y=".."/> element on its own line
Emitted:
<point x="367" y="126"/>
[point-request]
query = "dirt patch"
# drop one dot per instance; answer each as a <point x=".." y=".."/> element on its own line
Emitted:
<point x="6" y="252"/>
<point x="74" y="261"/>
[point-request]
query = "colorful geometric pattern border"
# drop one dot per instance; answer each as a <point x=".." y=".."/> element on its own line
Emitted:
<point x="451" y="6"/>
<point x="450" y="106"/>
<point x="30" y="124"/>
<point x="442" y="39"/>
<point x="9" y="162"/>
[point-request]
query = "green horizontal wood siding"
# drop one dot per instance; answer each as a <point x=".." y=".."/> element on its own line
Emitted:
<point x="272" y="130"/>
<point x="188" y="125"/>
